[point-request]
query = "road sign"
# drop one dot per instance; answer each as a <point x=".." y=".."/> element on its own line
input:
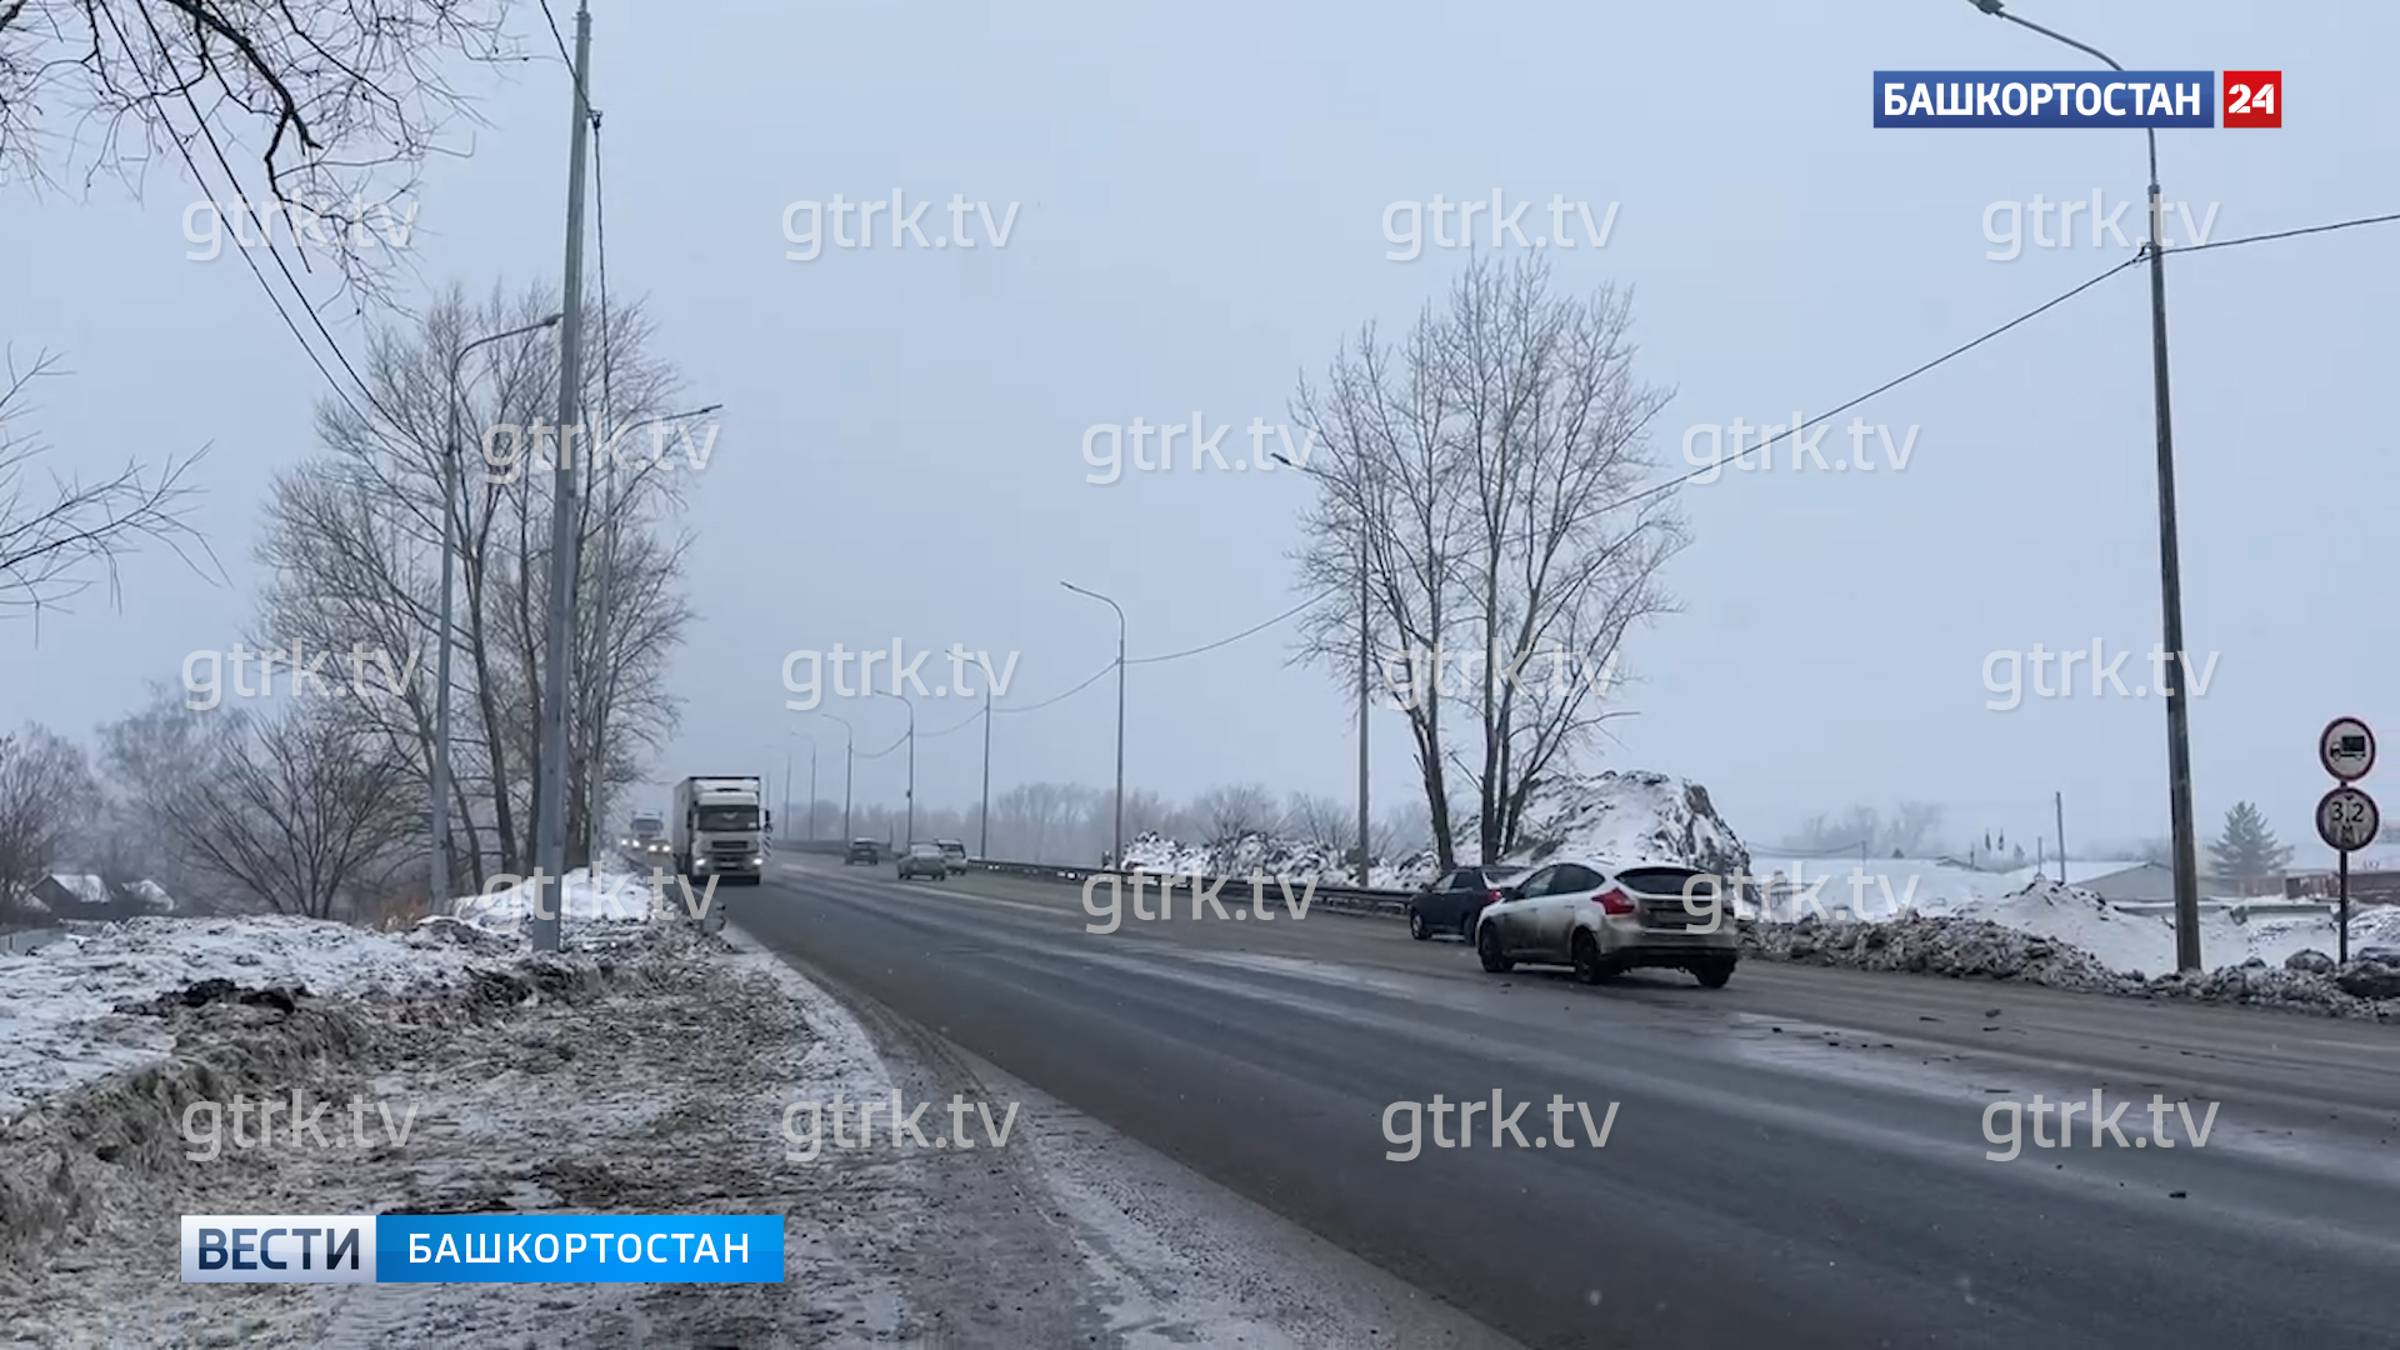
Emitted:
<point x="2347" y="819"/>
<point x="2346" y="748"/>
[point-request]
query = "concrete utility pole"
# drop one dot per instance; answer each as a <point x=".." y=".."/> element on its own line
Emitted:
<point x="441" y="696"/>
<point x="2170" y="567"/>
<point x="1116" y="857"/>
<point x="849" y="746"/>
<point x="2058" y="803"/>
<point x="983" y="838"/>
<point x="1362" y="705"/>
<point x="550" y="800"/>
<point x="912" y="761"/>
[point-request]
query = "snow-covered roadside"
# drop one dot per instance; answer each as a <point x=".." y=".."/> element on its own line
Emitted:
<point x="2069" y="938"/>
<point x="650" y="1077"/>
<point x="60" y="1024"/>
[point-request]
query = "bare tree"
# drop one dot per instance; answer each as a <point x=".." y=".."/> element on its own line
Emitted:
<point x="55" y="536"/>
<point x="1234" y="810"/>
<point x="293" y="805"/>
<point x="46" y="789"/>
<point x="1319" y="820"/>
<point x="1486" y="476"/>
<point x="353" y="542"/>
<point x="333" y="103"/>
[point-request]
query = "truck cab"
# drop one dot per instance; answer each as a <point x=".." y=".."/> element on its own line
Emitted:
<point x="719" y="828"/>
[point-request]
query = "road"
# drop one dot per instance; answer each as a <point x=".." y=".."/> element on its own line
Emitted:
<point x="1799" y="1159"/>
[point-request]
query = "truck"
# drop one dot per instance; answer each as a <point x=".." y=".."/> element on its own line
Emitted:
<point x="719" y="827"/>
<point x="646" y="836"/>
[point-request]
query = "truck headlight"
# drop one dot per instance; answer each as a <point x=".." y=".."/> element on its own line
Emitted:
<point x="754" y="862"/>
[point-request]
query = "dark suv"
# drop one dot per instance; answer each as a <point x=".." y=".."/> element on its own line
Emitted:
<point x="863" y="851"/>
<point x="1451" y="902"/>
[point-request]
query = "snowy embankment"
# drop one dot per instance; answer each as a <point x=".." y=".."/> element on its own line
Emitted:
<point x="2069" y="938"/>
<point x="73" y="1009"/>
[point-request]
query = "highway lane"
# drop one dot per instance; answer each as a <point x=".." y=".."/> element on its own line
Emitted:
<point x="1799" y="1156"/>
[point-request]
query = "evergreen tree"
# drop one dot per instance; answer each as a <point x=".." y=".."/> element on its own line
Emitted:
<point x="2248" y="848"/>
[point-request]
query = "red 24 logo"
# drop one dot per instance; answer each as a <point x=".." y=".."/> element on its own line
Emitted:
<point x="2253" y="98"/>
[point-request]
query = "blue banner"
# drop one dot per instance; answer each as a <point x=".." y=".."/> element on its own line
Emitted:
<point x="579" y="1248"/>
<point x="2045" y="98"/>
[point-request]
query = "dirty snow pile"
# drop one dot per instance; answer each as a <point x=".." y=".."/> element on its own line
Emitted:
<point x="1269" y="855"/>
<point x="61" y="1018"/>
<point x="59" y="1024"/>
<point x="2069" y="938"/>
<point x="1633" y="816"/>
<point x="619" y="896"/>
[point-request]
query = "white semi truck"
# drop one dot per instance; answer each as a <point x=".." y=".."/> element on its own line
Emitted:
<point x="719" y="828"/>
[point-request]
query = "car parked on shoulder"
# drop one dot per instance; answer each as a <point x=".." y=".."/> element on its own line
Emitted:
<point x="923" y="860"/>
<point x="1450" y="902"/>
<point x="1605" y="920"/>
<point x="863" y="851"/>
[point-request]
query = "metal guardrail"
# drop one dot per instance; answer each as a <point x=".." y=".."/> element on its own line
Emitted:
<point x="1361" y="900"/>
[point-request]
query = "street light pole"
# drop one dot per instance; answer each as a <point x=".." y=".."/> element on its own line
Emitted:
<point x="983" y="837"/>
<point x="2170" y="567"/>
<point x="849" y="762"/>
<point x="441" y="696"/>
<point x="1362" y="669"/>
<point x="911" y="828"/>
<point x="596" y="785"/>
<point x="1116" y="857"/>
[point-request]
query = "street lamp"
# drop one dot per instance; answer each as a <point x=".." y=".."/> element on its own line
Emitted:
<point x="441" y="697"/>
<point x="2170" y="568"/>
<point x="849" y="762"/>
<point x="812" y="779"/>
<point x="1319" y="475"/>
<point x="911" y="829"/>
<point x="597" y="779"/>
<point x="1116" y="857"/>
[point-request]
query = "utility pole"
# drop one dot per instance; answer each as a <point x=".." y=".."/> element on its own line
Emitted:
<point x="2058" y="803"/>
<point x="1362" y="704"/>
<point x="1116" y="856"/>
<point x="983" y="838"/>
<point x="550" y="803"/>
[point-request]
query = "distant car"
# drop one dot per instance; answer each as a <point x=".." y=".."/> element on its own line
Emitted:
<point x="923" y="860"/>
<point x="1603" y="920"/>
<point x="863" y="851"/>
<point x="954" y="853"/>
<point x="1450" y="902"/>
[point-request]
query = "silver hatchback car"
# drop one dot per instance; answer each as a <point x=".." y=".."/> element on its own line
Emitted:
<point x="923" y="860"/>
<point x="1604" y="920"/>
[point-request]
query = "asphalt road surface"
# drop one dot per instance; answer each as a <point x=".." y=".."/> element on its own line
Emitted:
<point x="1800" y="1159"/>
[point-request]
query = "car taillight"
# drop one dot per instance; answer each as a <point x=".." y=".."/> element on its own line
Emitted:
<point x="1614" y="901"/>
<point x="1492" y="896"/>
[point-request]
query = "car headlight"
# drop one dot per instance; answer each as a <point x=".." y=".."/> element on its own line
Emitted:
<point x="756" y="861"/>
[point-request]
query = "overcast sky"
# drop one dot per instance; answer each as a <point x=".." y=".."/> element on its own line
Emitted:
<point x="1201" y="196"/>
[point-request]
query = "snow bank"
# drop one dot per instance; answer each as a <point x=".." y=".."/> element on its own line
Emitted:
<point x="1633" y="816"/>
<point x="1616" y="817"/>
<point x="618" y="896"/>
<point x="60" y="1023"/>
<point x="2067" y="937"/>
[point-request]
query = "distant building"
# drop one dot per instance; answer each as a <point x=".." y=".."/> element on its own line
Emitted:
<point x="2154" y="883"/>
<point x="88" y="897"/>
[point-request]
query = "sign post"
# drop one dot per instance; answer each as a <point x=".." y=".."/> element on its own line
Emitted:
<point x="2347" y="818"/>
